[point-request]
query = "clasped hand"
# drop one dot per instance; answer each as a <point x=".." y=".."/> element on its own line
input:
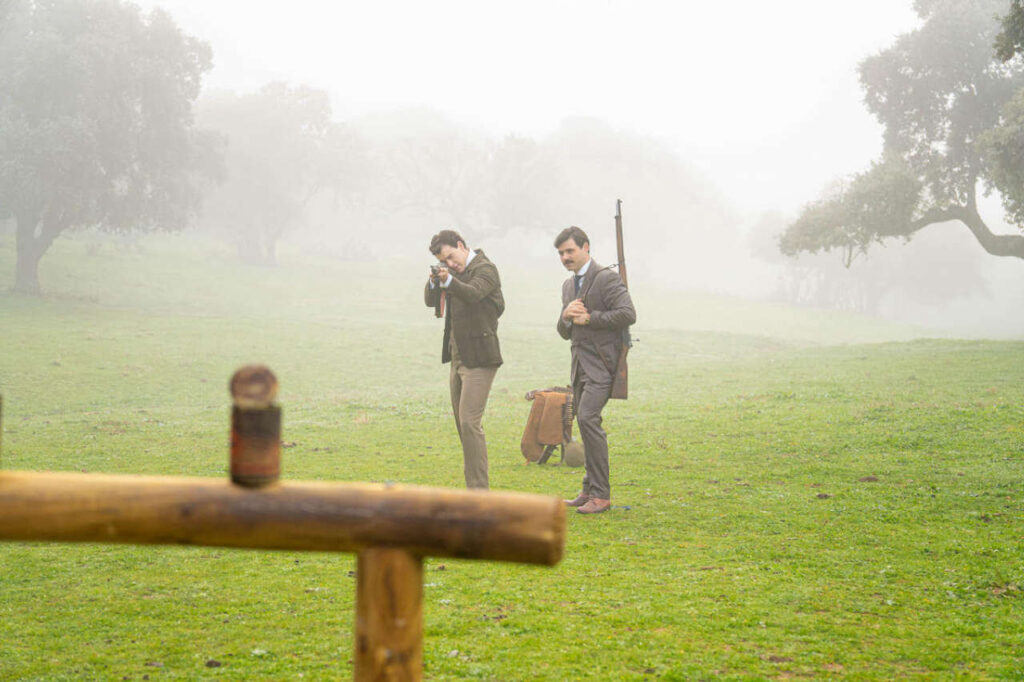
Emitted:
<point x="441" y="276"/>
<point x="576" y="313"/>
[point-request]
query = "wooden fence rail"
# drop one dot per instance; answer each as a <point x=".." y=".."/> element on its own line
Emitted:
<point x="390" y="527"/>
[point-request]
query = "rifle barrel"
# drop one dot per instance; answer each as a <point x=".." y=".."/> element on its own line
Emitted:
<point x="618" y="242"/>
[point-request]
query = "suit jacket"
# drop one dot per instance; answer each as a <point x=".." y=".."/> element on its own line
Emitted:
<point x="474" y="304"/>
<point x="595" y="346"/>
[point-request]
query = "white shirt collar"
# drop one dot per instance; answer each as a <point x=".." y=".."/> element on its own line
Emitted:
<point x="469" y="258"/>
<point x="586" y="266"/>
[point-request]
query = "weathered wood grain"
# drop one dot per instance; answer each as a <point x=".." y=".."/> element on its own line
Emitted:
<point x="389" y="615"/>
<point x="320" y="516"/>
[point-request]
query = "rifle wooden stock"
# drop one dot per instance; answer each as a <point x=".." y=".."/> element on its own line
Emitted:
<point x="620" y="385"/>
<point x="317" y="516"/>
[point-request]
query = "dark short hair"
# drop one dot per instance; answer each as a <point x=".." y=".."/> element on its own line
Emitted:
<point x="445" y="238"/>
<point x="574" y="233"/>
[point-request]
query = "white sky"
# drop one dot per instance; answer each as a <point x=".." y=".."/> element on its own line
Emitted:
<point x="761" y="96"/>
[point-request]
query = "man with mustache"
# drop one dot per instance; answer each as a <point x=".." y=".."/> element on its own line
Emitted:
<point x="596" y="307"/>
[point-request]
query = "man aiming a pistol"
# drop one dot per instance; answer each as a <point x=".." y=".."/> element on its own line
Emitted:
<point x="468" y="284"/>
<point x="596" y="308"/>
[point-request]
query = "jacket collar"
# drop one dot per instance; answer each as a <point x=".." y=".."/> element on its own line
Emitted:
<point x="478" y="257"/>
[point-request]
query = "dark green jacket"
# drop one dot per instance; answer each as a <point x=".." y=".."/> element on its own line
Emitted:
<point x="474" y="304"/>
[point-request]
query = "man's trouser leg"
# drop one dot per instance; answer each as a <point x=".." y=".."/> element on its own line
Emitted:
<point x="590" y="400"/>
<point x="469" y="391"/>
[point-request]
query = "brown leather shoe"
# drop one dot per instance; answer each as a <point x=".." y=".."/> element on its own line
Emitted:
<point x="595" y="506"/>
<point x="580" y="500"/>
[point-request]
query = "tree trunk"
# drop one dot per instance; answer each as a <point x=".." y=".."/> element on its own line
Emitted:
<point x="996" y="244"/>
<point x="30" y="249"/>
<point x="1011" y="245"/>
<point x="270" y="249"/>
<point x="249" y="251"/>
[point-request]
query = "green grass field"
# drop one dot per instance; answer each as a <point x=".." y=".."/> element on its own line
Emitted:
<point x="797" y="493"/>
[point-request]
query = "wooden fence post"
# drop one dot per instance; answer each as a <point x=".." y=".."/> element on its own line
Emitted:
<point x="255" y="427"/>
<point x="390" y="527"/>
<point x="389" y="615"/>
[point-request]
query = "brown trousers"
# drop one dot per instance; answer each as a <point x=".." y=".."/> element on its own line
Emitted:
<point x="469" y="389"/>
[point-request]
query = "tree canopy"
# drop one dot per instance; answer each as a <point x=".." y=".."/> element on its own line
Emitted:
<point x="1010" y="40"/>
<point x="95" y="122"/>
<point x="282" y="148"/>
<point x="948" y="106"/>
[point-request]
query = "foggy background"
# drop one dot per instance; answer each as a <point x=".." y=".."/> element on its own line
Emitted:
<point x="354" y="131"/>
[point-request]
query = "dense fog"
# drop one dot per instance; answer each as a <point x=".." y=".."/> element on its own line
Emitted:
<point x="294" y="160"/>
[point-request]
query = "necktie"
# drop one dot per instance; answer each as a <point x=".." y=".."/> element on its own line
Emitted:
<point x="579" y="283"/>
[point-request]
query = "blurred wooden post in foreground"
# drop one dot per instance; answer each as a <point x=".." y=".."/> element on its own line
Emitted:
<point x="390" y="527"/>
<point x="255" y="427"/>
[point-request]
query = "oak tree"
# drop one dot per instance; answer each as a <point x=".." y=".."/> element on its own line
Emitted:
<point x="945" y="101"/>
<point x="95" y="122"/>
<point x="282" y="149"/>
